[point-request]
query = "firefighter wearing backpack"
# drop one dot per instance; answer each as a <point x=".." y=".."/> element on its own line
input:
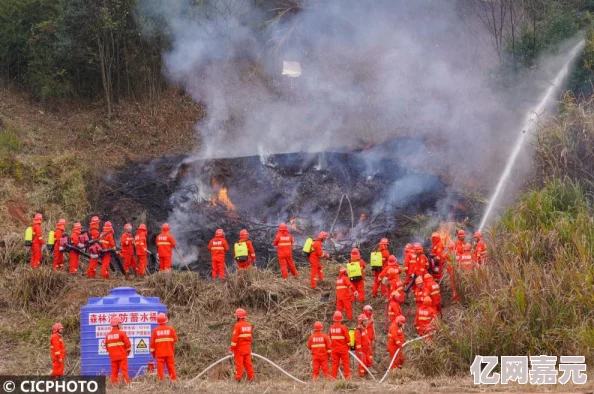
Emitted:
<point x="59" y="251"/>
<point x="218" y="247"/>
<point x="362" y="344"/>
<point x="74" y="252"/>
<point x="379" y="262"/>
<point x="438" y="253"/>
<point x="127" y="245"/>
<point x="141" y="245"/>
<point x="36" y="241"/>
<point x="340" y="337"/>
<point x="315" y="255"/>
<point x="355" y="269"/>
<point x="94" y="247"/>
<point x="320" y="346"/>
<point x="107" y="242"/>
<point x="244" y="252"/>
<point x="395" y="341"/>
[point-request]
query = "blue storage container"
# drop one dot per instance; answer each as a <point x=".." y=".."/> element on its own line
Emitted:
<point x="139" y="318"/>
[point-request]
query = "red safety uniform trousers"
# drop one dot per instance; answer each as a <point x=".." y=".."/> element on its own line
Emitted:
<point x="35" y="255"/>
<point x="337" y="358"/>
<point x="399" y="362"/>
<point x="360" y="287"/>
<point x="345" y="305"/>
<point x="164" y="263"/>
<point x="218" y="267"/>
<point x="170" y="362"/>
<point x="57" y="368"/>
<point x="377" y="285"/>
<point x="105" y="263"/>
<point x="129" y="262"/>
<point x="315" y="274"/>
<point x="317" y="363"/>
<point x="243" y="361"/>
<point x="92" y="270"/>
<point x="141" y="265"/>
<point x="116" y="367"/>
<point x="287" y="262"/>
<point x="73" y="266"/>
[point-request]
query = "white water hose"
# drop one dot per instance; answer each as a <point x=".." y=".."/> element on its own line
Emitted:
<point x="362" y="364"/>
<point x="398" y="351"/>
<point x="253" y="354"/>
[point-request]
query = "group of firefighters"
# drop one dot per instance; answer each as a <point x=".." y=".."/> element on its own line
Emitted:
<point x="423" y="271"/>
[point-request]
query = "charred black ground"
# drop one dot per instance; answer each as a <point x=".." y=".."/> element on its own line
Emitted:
<point x="357" y="195"/>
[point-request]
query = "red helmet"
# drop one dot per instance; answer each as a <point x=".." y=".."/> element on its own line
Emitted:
<point x="384" y="241"/>
<point x="162" y="318"/>
<point x="165" y="227"/>
<point x="401" y="320"/>
<point x="408" y="247"/>
<point x="342" y="270"/>
<point x="396" y="296"/>
<point x="362" y="317"/>
<point x="427" y="300"/>
<point x="61" y="223"/>
<point x="142" y="227"/>
<point x="282" y="227"/>
<point x="240" y="313"/>
<point x="107" y="226"/>
<point x="322" y="235"/>
<point x="57" y="326"/>
<point x="115" y="321"/>
<point x="219" y="233"/>
<point x="243" y="234"/>
<point x="478" y="235"/>
<point x="368" y="308"/>
<point x="468" y="247"/>
<point x="427" y="276"/>
<point x="318" y="326"/>
<point x="37" y="218"/>
<point x="461" y="233"/>
<point x="128" y="226"/>
<point x="95" y="219"/>
<point x="418" y="247"/>
<point x="355" y="254"/>
<point x="337" y="316"/>
<point x="77" y="226"/>
<point x="392" y="260"/>
<point x="435" y="235"/>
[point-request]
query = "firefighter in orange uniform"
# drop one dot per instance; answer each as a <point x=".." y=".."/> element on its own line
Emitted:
<point x="339" y="335"/>
<point x="395" y="341"/>
<point x="241" y="346"/>
<point x="245" y="262"/>
<point x="460" y="242"/>
<point x="480" y="249"/>
<point x="163" y="339"/>
<point x="119" y="347"/>
<point x="434" y="292"/>
<point x="362" y="344"/>
<point x="438" y="252"/>
<point x="107" y="241"/>
<point x="394" y="307"/>
<point x="94" y="234"/>
<point x="74" y="253"/>
<point x="57" y="351"/>
<point x="465" y="261"/>
<point x="383" y="249"/>
<point x="165" y="244"/>
<point x="356" y="272"/>
<point x="390" y="276"/>
<point x="141" y="245"/>
<point x="316" y="254"/>
<point x="421" y="290"/>
<point x="368" y="311"/>
<point x="59" y="254"/>
<point x="320" y="346"/>
<point x="284" y="251"/>
<point x="344" y="290"/>
<point x="37" y="241"/>
<point x="218" y="246"/>
<point x="127" y="245"/>
<point x="425" y="317"/>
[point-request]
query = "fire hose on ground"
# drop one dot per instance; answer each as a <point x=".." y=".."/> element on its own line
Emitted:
<point x="362" y="364"/>
<point x="398" y="351"/>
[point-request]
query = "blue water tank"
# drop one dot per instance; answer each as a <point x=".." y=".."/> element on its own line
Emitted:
<point x="138" y="315"/>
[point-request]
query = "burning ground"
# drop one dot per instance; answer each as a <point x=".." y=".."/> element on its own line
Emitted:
<point x="358" y="196"/>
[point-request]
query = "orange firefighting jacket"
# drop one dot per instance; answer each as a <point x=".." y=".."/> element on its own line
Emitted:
<point x="284" y="244"/>
<point x="344" y="287"/>
<point x="394" y="310"/>
<point x="317" y="253"/>
<point x="218" y="246"/>
<point x="117" y="344"/>
<point x="163" y="340"/>
<point x="370" y="326"/>
<point x="127" y="243"/>
<point x="140" y="243"/>
<point x="319" y="344"/>
<point x="165" y="244"/>
<point x="106" y="240"/>
<point x="385" y="254"/>
<point x="37" y="234"/>
<point x="362" y="343"/>
<point x="395" y="336"/>
<point x="424" y="317"/>
<point x="57" y="348"/>
<point x="241" y="341"/>
<point x="465" y="262"/>
<point x="339" y="335"/>
<point x="480" y="252"/>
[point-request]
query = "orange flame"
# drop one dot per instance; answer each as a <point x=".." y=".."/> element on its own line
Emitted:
<point x="222" y="197"/>
<point x="445" y="231"/>
<point x="293" y="223"/>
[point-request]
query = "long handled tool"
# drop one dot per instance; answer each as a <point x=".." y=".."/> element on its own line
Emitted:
<point x="182" y="259"/>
